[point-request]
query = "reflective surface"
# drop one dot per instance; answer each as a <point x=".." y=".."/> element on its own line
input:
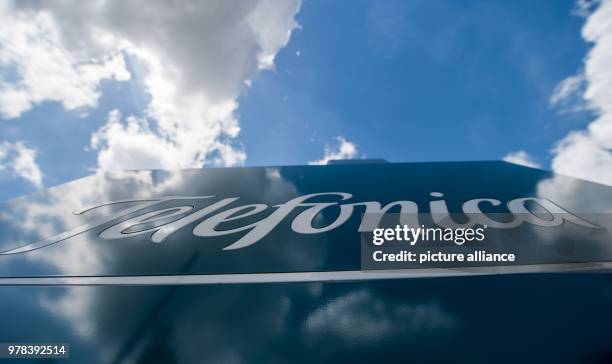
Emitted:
<point x="519" y="318"/>
<point x="526" y="318"/>
<point x="137" y="237"/>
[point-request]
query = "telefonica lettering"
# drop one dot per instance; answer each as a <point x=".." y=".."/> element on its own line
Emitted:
<point x="159" y="224"/>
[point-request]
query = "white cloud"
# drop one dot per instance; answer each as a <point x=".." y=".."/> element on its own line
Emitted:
<point x="31" y="48"/>
<point x="584" y="7"/>
<point x="567" y="96"/>
<point x="360" y="317"/>
<point x="343" y="150"/>
<point x="587" y="153"/>
<point x="521" y="157"/>
<point x="581" y="155"/>
<point x="43" y="216"/>
<point x="20" y="161"/>
<point x="196" y="56"/>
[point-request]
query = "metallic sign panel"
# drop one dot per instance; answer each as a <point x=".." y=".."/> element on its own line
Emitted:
<point x="560" y="318"/>
<point x="249" y="220"/>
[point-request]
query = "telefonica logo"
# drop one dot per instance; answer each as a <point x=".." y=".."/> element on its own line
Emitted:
<point x="158" y="224"/>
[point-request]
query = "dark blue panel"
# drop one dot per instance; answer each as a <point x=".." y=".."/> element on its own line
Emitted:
<point x="260" y="242"/>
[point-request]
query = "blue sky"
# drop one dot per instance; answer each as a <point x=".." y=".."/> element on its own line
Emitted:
<point x="417" y="81"/>
<point x="400" y="80"/>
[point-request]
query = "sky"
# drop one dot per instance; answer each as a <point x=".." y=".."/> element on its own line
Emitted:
<point x="88" y="87"/>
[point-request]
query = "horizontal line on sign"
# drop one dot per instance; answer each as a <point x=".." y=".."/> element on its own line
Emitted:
<point x="288" y="277"/>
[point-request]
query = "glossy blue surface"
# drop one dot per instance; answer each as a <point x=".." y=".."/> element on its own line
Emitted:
<point x="526" y="318"/>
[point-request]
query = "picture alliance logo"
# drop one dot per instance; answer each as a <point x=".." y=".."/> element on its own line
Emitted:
<point x="156" y="223"/>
